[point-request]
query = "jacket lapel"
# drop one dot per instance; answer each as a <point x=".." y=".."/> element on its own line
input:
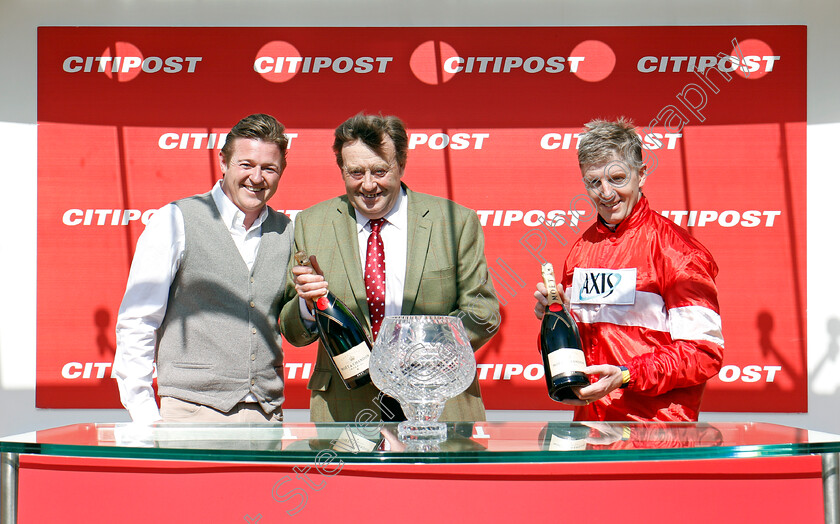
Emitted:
<point x="347" y="242"/>
<point x="419" y="234"/>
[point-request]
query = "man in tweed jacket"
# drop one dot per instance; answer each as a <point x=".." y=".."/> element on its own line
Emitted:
<point x="435" y="266"/>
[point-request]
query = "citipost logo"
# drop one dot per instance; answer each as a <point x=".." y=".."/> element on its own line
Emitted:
<point x="751" y="59"/>
<point x="279" y="61"/>
<point x="435" y="62"/>
<point x="124" y="61"/>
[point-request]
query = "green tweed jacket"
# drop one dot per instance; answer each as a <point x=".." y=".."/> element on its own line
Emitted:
<point x="446" y="273"/>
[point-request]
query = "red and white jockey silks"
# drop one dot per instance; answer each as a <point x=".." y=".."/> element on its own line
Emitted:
<point x="668" y="333"/>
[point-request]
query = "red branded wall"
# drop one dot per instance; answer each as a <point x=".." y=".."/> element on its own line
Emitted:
<point x="132" y="118"/>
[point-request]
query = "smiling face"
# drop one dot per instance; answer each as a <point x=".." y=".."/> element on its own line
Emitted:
<point x="614" y="188"/>
<point x="372" y="181"/>
<point x="252" y="174"/>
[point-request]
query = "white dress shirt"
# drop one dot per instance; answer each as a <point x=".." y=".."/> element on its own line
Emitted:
<point x="394" y="235"/>
<point x="157" y="258"/>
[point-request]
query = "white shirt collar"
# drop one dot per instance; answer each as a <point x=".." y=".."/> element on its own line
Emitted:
<point x="397" y="216"/>
<point x="232" y="216"/>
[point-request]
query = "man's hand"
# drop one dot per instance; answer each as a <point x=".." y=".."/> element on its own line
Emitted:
<point x="541" y="294"/>
<point x="606" y="378"/>
<point x="309" y="282"/>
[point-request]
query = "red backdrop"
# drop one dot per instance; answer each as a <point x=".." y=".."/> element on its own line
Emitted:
<point x="132" y="118"/>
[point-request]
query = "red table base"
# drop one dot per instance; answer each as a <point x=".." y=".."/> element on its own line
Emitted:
<point x="70" y="490"/>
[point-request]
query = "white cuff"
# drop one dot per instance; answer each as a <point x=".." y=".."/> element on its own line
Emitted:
<point x="145" y="412"/>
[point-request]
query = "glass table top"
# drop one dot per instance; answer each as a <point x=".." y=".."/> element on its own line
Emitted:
<point x="467" y="442"/>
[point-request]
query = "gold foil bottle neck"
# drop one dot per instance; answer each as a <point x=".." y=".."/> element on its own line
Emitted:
<point x="302" y="258"/>
<point x="550" y="283"/>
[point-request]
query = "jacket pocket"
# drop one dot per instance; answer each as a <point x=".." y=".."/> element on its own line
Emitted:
<point x="191" y="365"/>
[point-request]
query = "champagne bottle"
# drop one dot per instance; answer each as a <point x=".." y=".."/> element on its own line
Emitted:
<point x="346" y="342"/>
<point x="560" y="345"/>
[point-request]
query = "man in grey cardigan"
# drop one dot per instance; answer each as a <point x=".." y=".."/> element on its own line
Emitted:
<point x="204" y="293"/>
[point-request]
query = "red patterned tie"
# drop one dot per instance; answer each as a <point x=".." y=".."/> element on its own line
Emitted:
<point x="375" y="276"/>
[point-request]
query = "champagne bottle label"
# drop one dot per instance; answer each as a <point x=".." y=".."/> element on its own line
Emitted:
<point x="353" y="361"/>
<point x="565" y="360"/>
<point x="566" y="444"/>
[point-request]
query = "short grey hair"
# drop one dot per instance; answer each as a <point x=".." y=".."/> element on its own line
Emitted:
<point x="603" y="141"/>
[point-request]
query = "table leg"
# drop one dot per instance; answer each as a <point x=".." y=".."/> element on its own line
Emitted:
<point x="831" y="488"/>
<point x="9" y="463"/>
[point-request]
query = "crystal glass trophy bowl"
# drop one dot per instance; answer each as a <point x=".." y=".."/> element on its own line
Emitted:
<point x="422" y="361"/>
